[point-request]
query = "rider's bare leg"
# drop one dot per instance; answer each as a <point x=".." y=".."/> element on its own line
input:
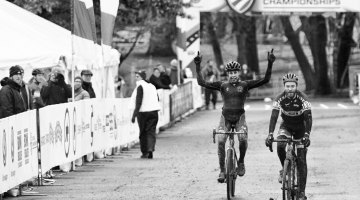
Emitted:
<point x="242" y="148"/>
<point x="281" y="150"/>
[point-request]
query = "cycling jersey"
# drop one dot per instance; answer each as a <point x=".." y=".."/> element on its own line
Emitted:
<point x="234" y="94"/>
<point x="295" y="111"/>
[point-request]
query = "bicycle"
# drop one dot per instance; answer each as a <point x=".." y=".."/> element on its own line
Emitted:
<point x="230" y="159"/>
<point x="290" y="176"/>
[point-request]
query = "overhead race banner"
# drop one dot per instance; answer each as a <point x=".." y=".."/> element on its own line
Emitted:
<point x="71" y="130"/>
<point x="277" y="6"/>
<point x="18" y="152"/>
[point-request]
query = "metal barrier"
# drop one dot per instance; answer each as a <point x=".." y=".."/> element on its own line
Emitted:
<point x="181" y="101"/>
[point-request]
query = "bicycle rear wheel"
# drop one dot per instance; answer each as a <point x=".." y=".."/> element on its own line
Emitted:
<point x="230" y="181"/>
<point x="287" y="180"/>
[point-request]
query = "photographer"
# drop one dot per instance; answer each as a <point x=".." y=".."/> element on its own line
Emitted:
<point x="57" y="91"/>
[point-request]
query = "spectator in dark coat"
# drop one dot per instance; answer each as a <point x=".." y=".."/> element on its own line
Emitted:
<point x="57" y="91"/>
<point x="164" y="76"/>
<point x="87" y="85"/>
<point x="156" y="80"/>
<point x="174" y="73"/>
<point x="11" y="100"/>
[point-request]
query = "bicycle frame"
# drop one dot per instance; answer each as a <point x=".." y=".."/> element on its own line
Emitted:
<point x="291" y="187"/>
<point x="231" y="159"/>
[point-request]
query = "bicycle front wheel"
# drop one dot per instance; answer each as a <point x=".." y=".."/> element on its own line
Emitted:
<point x="230" y="169"/>
<point x="287" y="180"/>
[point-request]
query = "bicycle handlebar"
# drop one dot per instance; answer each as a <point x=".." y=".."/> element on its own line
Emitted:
<point x="295" y="141"/>
<point x="225" y="133"/>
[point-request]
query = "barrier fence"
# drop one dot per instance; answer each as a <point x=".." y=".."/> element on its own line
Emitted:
<point x="181" y="101"/>
<point x="66" y="132"/>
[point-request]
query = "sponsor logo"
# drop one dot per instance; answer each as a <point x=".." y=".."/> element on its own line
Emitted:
<point x="66" y="133"/>
<point x="240" y="6"/>
<point x="240" y="89"/>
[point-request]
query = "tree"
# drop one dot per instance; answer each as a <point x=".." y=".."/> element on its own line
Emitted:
<point x="315" y="30"/>
<point x="245" y="34"/>
<point x="343" y="43"/>
<point x="213" y="38"/>
<point x="305" y="67"/>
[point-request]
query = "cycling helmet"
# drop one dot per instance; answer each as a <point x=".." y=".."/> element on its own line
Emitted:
<point x="36" y="72"/>
<point x="290" y="78"/>
<point x="233" y="66"/>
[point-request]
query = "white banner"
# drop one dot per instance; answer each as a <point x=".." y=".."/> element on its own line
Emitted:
<point x="198" y="101"/>
<point x="71" y="130"/>
<point x="274" y="6"/>
<point x="164" y="113"/>
<point x="18" y="153"/>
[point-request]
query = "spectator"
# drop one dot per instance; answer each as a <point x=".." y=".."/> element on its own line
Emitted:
<point x="156" y="80"/>
<point x="87" y="85"/>
<point x="210" y="74"/>
<point x="35" y="84"/>
<point x="174" y="64"/>
<point x="245" y="73"/>
<point x="146" y="110"/>
<point x="86" y="76"/>
<point x="57" y="91"/>
<point x="79" y="92"/>
<point x="223" y="74"/>
<point x="25" y="92"/>
<point x="164" y="76"/>
<point x="11" y="99"/>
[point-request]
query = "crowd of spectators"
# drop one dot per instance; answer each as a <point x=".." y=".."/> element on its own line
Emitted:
<point x="17" y="96"/>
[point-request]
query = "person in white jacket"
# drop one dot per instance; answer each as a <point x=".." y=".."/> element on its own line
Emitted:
<point x="146" y="110"/>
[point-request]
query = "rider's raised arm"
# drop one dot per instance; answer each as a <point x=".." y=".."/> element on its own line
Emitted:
<point x="200" y="79"/>
<point x="274" y="116"/>
<point x="266" y="79"/>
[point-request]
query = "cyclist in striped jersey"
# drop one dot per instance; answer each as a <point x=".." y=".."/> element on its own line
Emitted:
<point x="296" y="118"/>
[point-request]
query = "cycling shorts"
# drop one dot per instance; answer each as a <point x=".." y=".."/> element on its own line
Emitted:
<point x="297" y="131"/>
<point x="240" y="124"/>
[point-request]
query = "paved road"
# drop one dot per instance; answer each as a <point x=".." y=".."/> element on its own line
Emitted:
<point x="185" y="162"/>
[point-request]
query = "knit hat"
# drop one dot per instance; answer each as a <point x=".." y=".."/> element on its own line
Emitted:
<point x="142" y="74"/>
<point x="15" y="70"/>
<point x="36" y="72"/>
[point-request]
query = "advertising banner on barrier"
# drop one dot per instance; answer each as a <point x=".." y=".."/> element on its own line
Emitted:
<point x="18" y="152"/>
<point x="198" y="101"/>
<point x="181" y="101"/>
<point x="164" y="113"/>
<point x="71" y="130"/>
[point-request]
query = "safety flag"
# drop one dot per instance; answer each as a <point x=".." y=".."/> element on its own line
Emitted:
<point x="84" y="34"/>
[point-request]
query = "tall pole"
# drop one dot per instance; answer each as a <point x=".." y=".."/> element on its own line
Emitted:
<point x="72" y="50"/>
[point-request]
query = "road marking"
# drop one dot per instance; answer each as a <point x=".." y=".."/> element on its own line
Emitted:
<point x="342" y="106"/>
<point x="324" y="106"/>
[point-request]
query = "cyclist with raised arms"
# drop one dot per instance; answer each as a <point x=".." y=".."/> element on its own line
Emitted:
<point x="234" y="92"/>
<point x="297" y="121"/>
